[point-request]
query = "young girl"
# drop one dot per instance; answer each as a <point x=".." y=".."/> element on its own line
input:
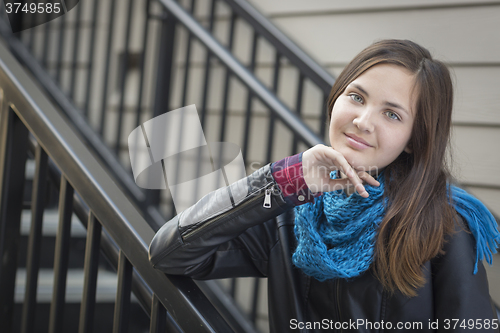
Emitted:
<point x="378" y="239"/>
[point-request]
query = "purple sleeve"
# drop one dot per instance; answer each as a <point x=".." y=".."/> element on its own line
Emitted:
<point x="288" y="175"/>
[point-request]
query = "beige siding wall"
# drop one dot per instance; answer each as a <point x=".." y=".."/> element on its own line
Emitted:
<point x="276" y="8"/>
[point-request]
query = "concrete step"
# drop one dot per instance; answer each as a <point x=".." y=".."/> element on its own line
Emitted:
<point x="50" y="222"/>
<point x="106" y="286"/>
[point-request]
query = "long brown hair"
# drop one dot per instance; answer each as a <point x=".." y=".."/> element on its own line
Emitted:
<point x="418" y="215"/>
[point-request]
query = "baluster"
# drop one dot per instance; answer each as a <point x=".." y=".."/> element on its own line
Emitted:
<point x="255" y="300"/>
<point x="248" y="116"/>
<point x="142" y="69"/>
<point x="122" y="303"/>
<point x="111" y="27"/>
<point x="158" y="316"/>
<point x="298" y="109"/>
<point x="60" y="47"/>
<point x="226" y="81"/>
<point x="232" y="287"/>
<point x="61" y="256"/>
<point x="46" y="40"/>
<point x="163" y="84"/>
<point x="186" y="62"/>
<point x="206" y="77"/>
<point x="31" y="41"/>
<point x="203" y="110"/>
<point x="35" y="240"/>
<point x="13" y="147"/>
<point x="272" y="117"/>
<point x="76" y="46"/>
<point x="123" y="78"/>
<point x="323" y="118"/>
<point x="178" y="165"/>
<point x="92" y="42"/>
<point x="92" y="248"/>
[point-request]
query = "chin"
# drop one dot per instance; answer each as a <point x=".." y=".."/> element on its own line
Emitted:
<point x="357" y="162"/>
<point x="361" y="164"/>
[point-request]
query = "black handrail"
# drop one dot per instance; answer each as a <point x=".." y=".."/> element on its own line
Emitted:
<point x="122" y="221"/>
<point x="108" y="247"/>
<point x="284" y="45"/>
<point x="241" y="72"/>
<point x="262" y="28"/>
<point x="22" y="53"/>
<point x="214" y="292"/>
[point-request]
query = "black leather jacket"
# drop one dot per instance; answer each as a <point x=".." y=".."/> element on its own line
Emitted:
<point x="220" y="238"/>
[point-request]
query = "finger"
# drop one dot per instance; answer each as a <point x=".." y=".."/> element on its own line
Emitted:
<point x="339" y="160"/>
<point x="368" y="178"/>
<point x="342" y="184"/>
<point x="361" y="190"/>
<point x="353" y="176"/>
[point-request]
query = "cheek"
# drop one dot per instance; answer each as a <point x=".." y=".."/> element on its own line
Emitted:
<point x="395" y="142"/>
<point x="339" y="118"/>
<point x="336" y="125"/>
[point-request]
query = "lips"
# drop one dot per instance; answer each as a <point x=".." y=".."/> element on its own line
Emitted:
<point x="357" y="142"/>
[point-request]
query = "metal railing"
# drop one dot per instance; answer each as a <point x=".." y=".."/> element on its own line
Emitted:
<point x="114" y="226"/>
<point x="116" y="79"/>
<point x="109" y="78"/>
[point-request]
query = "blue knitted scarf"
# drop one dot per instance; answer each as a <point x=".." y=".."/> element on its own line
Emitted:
<point x="336" y="234"/>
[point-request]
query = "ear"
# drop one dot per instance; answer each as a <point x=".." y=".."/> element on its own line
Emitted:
<point x="409" y="147"/>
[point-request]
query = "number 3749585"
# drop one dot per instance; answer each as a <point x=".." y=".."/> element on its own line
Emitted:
<point x="19" y="7"/>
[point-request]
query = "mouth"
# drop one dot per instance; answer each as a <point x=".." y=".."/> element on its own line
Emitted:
<point x="357" y="142"/>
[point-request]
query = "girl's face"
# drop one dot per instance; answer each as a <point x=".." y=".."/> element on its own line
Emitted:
<point x="372" y="120"/>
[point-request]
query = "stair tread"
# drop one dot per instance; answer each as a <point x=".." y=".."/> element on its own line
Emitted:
<point x="106" y="286"/>
<point x="50" y="222"/>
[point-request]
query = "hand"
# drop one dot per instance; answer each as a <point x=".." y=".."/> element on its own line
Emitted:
<point x="320" y="160"/>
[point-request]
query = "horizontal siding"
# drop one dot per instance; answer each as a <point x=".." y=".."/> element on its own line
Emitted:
<point x="490" y="197"/>
<point x="457" y="35"/>
<point x="477" y="95"/>
<point x="476" y="154"/>
<point x="300" y="7"/>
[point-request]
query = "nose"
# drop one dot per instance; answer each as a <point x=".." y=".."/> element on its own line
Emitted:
<point x="364" y="122"/>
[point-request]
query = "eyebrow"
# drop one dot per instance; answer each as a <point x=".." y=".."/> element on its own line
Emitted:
<point x="391" y="104"/>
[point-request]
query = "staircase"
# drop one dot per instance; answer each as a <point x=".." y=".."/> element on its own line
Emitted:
<point x="106" y="281"/>
<point x="108" y="66"/>
<point x="114" y="227"/>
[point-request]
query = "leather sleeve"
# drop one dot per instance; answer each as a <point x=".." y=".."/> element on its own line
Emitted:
<point x="223" y="234"/>
<point x="458" y="293"/>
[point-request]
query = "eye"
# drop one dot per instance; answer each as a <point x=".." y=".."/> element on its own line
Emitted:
<point x="392" y="115"/>
<point x="357" y="98"/>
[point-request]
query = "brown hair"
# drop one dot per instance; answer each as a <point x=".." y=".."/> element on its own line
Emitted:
<point x="418" y="215"/>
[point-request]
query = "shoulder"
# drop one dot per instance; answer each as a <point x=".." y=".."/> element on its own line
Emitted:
<point x="460" y="241"/>
<point x="459" y="291"/>
<point x="459" y="252"/>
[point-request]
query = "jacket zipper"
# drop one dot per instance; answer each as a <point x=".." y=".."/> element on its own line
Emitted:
<point x="267" y="204"/>
<point x="267" y="199"/>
